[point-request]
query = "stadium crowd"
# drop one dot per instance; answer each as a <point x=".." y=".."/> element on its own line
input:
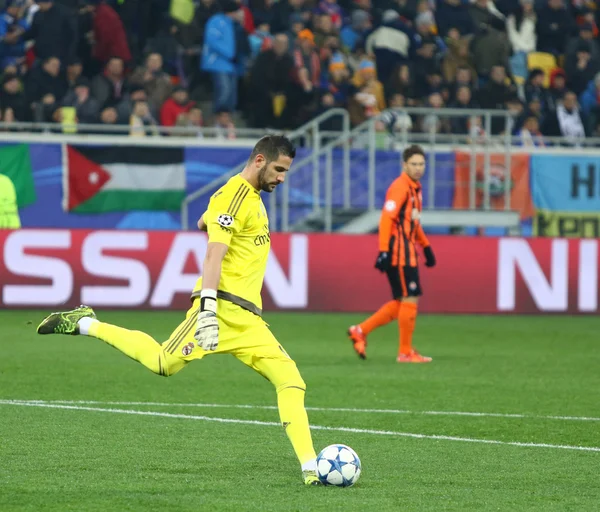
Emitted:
<point x="150" y="63"/>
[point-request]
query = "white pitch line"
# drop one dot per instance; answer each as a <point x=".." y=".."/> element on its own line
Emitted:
<point x="321" y="409"/>
<point x="313" y="427"/>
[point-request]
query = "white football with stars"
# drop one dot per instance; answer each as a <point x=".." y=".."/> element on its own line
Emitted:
<point x="338" y="465"/>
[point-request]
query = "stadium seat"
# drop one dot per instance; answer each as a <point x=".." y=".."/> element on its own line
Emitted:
<point x="545" y="61"/>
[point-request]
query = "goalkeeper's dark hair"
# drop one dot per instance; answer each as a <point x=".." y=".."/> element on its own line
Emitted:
<point x="272" y="147"/>
<point x="411" y="151"/>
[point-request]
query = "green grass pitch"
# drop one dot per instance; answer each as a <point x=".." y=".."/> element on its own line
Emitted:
<point x="535" y="378"/>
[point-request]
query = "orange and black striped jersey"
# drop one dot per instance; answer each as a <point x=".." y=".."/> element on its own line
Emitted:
<point x="400" y="227"/>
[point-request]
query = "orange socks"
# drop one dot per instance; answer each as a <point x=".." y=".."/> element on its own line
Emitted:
<point x="407" y="319"/>
<point x="385" y="314"/>
<point x="405" y="312"/>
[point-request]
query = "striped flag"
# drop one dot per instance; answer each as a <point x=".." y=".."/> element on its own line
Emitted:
<point x="98" y="179"/>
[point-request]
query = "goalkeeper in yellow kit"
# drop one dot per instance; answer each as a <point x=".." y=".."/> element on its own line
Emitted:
<point x="225" y="317"/>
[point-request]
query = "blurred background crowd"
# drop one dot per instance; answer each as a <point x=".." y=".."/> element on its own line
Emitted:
<point x="277" y="64"/>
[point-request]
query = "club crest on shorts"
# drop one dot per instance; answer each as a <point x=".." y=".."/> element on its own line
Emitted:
<point x="187" y="349"/>
<point x="225" y="220"/>
<point x="412" y="285"/>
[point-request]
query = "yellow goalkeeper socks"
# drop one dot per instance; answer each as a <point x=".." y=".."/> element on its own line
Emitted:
<point x="135" y="344"/>
<point x="295" y="421"/>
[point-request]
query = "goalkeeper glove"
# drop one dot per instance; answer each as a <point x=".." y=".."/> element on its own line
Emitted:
<point x="429" y="256"/>
<point x="207" y="326"/>
<point x="383" y="261"/>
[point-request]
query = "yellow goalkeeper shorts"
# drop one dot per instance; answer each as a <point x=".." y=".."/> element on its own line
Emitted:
<point x="242" y="334"/>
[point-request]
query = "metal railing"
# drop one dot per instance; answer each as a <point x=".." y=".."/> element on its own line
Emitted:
<point x="310" y="134"/>
<point x="481" y="141"/>
<point x="331" y="189"/>
<point x="120" y="134"/>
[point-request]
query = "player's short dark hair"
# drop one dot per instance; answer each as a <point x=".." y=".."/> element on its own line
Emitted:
<point x="272" y="147"/>
<point x="411" y="151"/>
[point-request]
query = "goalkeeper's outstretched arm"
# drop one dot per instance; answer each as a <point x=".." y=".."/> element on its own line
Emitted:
<point x="211" y="271"/>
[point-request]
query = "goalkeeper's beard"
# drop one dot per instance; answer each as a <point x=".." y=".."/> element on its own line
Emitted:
<point x="263" y="184"/>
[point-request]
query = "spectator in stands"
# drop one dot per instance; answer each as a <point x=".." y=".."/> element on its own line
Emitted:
<point x="453" y="15"/>
<point x="558" y="87"/>
<point x="205" y="10"/>
<point x="464" y="100"/>
<point x="554" y="27"/>
<point x="155" y="81"/>
<point x="141" y="121"/>
<point x="457" y="65"/>
<point x="401" y="82"/>
<point x="283" y="11"/>
<point x="392" y="43"/>
<point x="192" y="122"/>
<point x="306" y="57"/>
<point x="272" y="80"/>
<point x="225" y="129"/>
<point x="535" y="109"/>
<point x="11" y="21"/>
<point x="45" y="89"/>
<point x="590" y="99"/>
<point x="489" y="45"/>
<point x="520" y="26"/>
<point x="369" y="99"/>
<point x="581" y="70"/>
<point x="220" y="56"/>
<point x="165" y="43"/>
<point x="109" y="116"/>
<point x="534" y="88"/>
<point x="296" y="26"/>
<point x="356" y="31"/>
<point x="586" y="35"/>
<point x="109" y="38"/>
<point x="432" y="123"/>
<point x="323" y="29"/>
<point x="336" y="88"/>
<point x="433" y="83"/>
<point x="333" y="11"/>
<point x="516" y="110"/>
<point x="262" y="39"/>
<point x="54" y="30"/>
<point x="246" y="18"/>
<point x="465" y="76"/>
<point x="74" y="71"/>
<point x="109" y="88"/>
<point x="397" y="121"/>
<point x="530" y="135"/>
<point x="136" y="92"/>
<point x="262" y="10"/>
<point x="13" y="102"/>
<point x="179" y="103"/>
<point x="567" y="121"/>
<point x="493" y="95"/>
<point x="431" y="48"/>
<point x="87" y="107"/>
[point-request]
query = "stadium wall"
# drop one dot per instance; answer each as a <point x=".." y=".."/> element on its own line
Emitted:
<point x="557" y="190"/>
<point x="306" y="272"/>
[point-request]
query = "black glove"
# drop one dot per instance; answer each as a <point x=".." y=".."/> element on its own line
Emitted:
<point x="383" y="261"/>
<point x="429" y="256"/>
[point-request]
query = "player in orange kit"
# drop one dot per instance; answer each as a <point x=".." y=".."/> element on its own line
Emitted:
<point x="399" y="232"/>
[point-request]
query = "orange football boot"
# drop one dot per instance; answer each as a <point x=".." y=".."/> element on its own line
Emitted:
<point x="413" y="357"/>
<point x="359" y="341"/>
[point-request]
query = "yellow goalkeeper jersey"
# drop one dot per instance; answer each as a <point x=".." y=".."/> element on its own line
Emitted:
<point x="236" y="216"/>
